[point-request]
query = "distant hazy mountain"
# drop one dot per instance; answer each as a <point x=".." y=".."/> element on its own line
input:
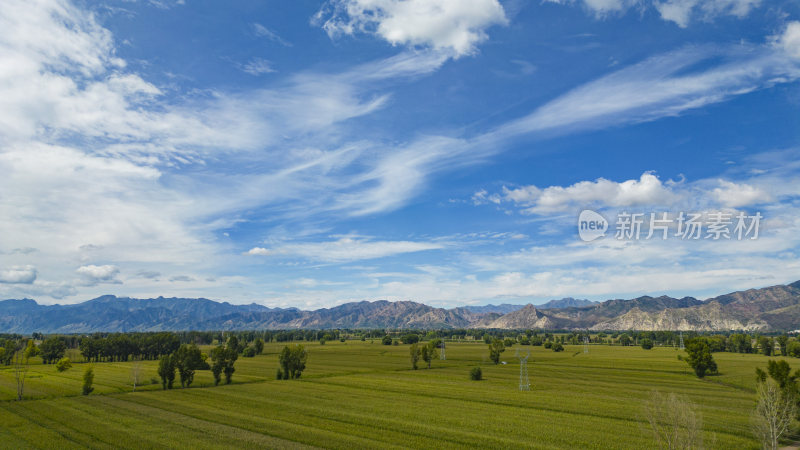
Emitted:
<point x="566" y="302"/>
<point x="770" y="308"/>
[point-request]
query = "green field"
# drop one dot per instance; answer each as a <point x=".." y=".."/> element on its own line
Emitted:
<point x="364" y="395"/>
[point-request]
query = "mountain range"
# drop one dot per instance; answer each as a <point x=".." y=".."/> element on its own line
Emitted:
<point x="769" y="308"/>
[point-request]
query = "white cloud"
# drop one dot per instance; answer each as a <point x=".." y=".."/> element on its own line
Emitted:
<point x="681" y="12"/>
<point x="18" y="275"/>
<point x="789" y="40"/>
<point x="601" y="8"/>
<point x="453" y="26"/>
<point x="661" y="86"/>
<point x="647" y="190"/>
<point x="262" y="31"/>
<point x="99" y="274"/>
<point x="346" y="249"/>
<point x="735" y="195"/>
<point x="258" y="66"/>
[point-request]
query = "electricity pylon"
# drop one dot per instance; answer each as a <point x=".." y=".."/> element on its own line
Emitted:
<point x="524" y="383"/>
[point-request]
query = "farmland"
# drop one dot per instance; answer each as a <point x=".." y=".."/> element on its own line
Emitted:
<point x="363" y="394"/>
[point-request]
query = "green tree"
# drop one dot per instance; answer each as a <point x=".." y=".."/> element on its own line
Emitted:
<point x="410" y="338"/>
<point x="223" y="358"/>
<point x="495" y="349"/>
<point x="415" y="352"/>
<point x="646" y="344"/>
<point x="63" y="364"/>
<point x="187" y="359"/>
<point x="558" y="347"/>
<point x="387" y="340"/>
<point x="258" y="346"/>
<point x="699" y="357"/>
<point x="292" y="361"/>
<point x="88" y="379"/>
<point x="429" y="352"/>
<point x="166" y="370"/>
<point x="624" y="339"/>
<point x="793" y="348"/>
<point x="783" y="341"/>
<point x="52" y="349"/>
<point x="765" y="345"/>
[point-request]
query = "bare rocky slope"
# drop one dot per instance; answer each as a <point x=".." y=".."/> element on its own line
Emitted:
<point x="770" y="308"/>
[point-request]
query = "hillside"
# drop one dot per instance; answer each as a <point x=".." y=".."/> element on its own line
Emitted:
<point x="770" y="308"/>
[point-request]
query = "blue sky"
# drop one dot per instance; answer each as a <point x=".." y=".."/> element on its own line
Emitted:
<point x="312" y="153"/>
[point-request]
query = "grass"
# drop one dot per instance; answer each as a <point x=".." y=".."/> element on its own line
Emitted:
<point x="364" y="395"/>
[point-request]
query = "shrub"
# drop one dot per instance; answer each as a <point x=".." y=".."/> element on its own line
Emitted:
<point x="508" y="342"/>
<point x="322" y="341"/>
<point x="647" y="344"/>
<point x="63" y="364"/>
<point x="548" y="344"/>
<point x="476" y="374"/>
<point x="387" y="340"/>
<point x="557" y="347"/>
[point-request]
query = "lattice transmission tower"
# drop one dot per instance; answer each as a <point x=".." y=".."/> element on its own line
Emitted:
<point x="682" y="347"/>
<point x="524" y="383"/>
<point x="586" y="344"/>
<point x="442" y="354"/>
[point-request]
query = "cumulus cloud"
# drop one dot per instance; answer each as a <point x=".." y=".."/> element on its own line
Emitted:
<point x="647" y="190"/>
<point x="260" y="251"/>
<point x="735" y="195"/>
<point x="18" y="275"/>
<point x="99" y="274"/>
<point x="789" y="40"/>
<point x="453" y="26"/>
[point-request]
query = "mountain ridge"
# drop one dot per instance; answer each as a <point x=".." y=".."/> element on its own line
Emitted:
<point x="770" y="308"/>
